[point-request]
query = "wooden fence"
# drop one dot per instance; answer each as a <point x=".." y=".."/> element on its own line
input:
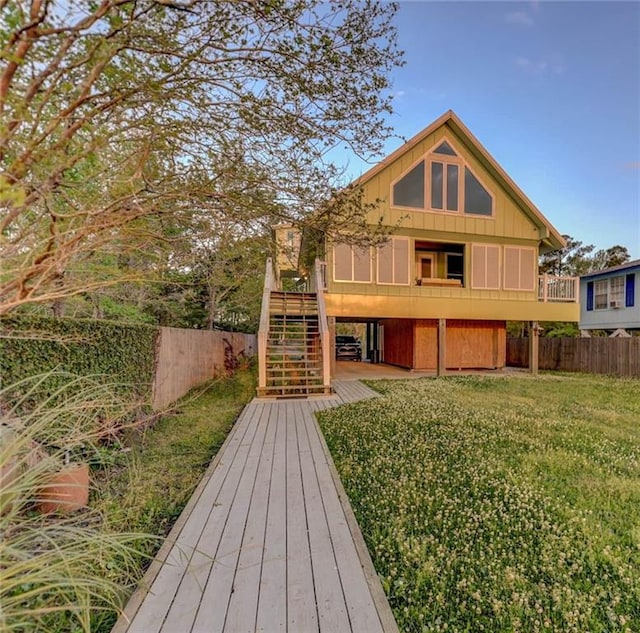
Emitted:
<point x="597" y="355"/>
<point x="187" y="358"/>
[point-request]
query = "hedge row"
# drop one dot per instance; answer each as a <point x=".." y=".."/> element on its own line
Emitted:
<point x="125" y="354"/>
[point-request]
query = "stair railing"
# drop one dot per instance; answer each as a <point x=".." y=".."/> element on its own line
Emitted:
<point x="263" y="330"/>
<point x="323" y="325"/>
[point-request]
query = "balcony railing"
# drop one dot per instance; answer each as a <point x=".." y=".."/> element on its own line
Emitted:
<point x="558" y="289"/>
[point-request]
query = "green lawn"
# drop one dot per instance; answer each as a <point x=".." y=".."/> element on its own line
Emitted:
<point x="499" y="504"/>
<point x="146" y="491"/>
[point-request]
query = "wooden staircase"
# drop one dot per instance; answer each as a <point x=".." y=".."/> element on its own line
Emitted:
<point x="293" y="359"/>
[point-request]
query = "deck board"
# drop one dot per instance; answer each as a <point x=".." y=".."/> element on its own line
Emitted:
<point x="301" y="607"/>
<point x="246" y="584"/>
<point x="268" y="542"/>
<point x="272" y="599"/>
<point x="329" y="596"/>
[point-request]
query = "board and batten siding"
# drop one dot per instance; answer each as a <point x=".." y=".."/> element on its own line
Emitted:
<point x="386" y="274"/>
<point x="507" y="220"/>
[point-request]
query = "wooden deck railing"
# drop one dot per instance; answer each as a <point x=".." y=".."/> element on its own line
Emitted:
<point x="323" y="325"/>
<point x="558" y="289"/>
<point x="263" y="330"/>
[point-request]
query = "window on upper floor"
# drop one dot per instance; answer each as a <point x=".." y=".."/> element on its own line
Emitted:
<point x="519" y="268"/>
<point x="454" y="266"/>
<point x="393" y="261"/>
<point x="601" y="288"/>
<point x="485" y="266"/>
<point x="351" y="263"/>
<point x="442" y="181"/>
<point x="615" y="292"/>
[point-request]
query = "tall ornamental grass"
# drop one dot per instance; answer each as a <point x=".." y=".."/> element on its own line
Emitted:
<point x="58" y="572"/>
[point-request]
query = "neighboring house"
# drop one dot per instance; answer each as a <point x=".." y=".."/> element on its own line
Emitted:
<point x="462" y="260"/>
<point x="611" y="298"/>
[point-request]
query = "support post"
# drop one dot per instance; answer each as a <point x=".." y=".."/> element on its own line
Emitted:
<point x="442" y="347"/>
<point x="533" y="346"/>
<point x="375" y="352"/>
<point x="332" y="341"/>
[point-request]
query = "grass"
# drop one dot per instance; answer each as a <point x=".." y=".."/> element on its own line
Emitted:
<point x="73" y="573"/>
<point x="164" y="464"/>
<point x="499" y="504"/>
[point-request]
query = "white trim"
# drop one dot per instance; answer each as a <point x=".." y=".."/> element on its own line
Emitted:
<point x="595" y="294"/>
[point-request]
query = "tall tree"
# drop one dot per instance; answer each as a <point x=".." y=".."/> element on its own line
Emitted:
<point x="575" y="258"/>
<point x="118" y="116"/>
<point x="609" y="257"/>
<point x="570" y="261"/>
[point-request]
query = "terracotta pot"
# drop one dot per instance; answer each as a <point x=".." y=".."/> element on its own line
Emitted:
<point x="66" y="490"/>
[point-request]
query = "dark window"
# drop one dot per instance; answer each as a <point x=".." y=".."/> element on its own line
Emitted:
<point x="452" y="187"/>
<point x="455" y="266"/>
<point x="477" y="200"/>
<point x="409" y="190"/>
<point x="444" y="148"/>
<point x="436" y="185"/>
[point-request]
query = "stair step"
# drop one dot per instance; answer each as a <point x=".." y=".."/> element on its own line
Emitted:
<point x="302" y="371"/>
<point x="290" y="387"/>
<point x="284" y="328"/>
<point x="284" y="358"/>
<point x="281" y="294"/>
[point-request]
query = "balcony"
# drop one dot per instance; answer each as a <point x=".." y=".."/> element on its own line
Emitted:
<point x="558" y="289"/>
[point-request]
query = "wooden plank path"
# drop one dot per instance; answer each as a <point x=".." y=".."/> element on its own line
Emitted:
<point x="268" y="541"/>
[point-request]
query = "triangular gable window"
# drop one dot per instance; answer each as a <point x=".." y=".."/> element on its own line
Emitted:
<point x="444" y="148"/>
<point x="477" y="200"/>
<point x="409" y="190"/>
<point x="441" y="181"/>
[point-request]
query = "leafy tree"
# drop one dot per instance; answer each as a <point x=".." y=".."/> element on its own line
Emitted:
<point x="119" y="117"/>
<point x="607" y="258"/>
<point x="569" y="261"/>
<point x="574" y="259"/>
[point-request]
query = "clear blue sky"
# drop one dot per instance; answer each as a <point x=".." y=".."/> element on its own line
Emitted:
<point x="551" y="89"/>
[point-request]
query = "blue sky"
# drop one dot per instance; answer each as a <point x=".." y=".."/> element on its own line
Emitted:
<point x="551" y="89"/>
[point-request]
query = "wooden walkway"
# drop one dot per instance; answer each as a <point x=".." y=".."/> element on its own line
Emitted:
<point x="268" y="541"/>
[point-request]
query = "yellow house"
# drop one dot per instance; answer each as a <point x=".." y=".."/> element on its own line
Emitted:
<point x="461" y="261"/>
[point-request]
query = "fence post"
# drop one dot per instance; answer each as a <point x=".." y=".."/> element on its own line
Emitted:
<point x="442" y="347"/>
<point x="533" y="347"/>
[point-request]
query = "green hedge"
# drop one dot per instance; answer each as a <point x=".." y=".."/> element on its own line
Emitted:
<point x="31" y="346"/>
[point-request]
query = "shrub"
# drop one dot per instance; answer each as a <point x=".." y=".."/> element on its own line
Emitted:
<point x="31" y="346"/>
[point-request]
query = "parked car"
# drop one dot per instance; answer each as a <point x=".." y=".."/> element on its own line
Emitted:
<point x="348" y="348"/>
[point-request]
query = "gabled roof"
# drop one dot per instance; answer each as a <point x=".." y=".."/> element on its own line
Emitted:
<point x="614" y="269"/>
<point x="548" y="234"/>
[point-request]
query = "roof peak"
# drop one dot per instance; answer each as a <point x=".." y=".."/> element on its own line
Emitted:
<point x="488" y="162"/>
